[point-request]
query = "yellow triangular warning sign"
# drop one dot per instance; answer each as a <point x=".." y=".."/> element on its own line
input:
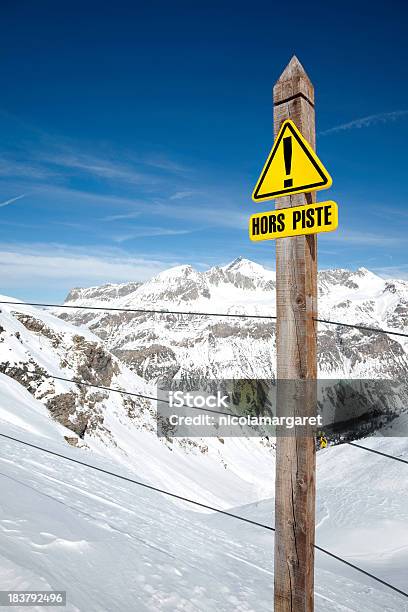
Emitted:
<point x="292" y="167"/>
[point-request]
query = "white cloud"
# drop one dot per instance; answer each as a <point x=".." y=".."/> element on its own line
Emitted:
<point x="211" y="216"/>
<point x="164" y="163"/>
<point x="364" y="239"/>
<point x="217" y="215"/>
<point x="10" y="168"/>
<point x="180" y="195"/>
<point x="39" y="267"/>
<point x="384" y="211"/>
<point x="144" y="232"/>
<point x="220" y="216"/>
<point x="102" y="168"/>
<point x="87" y="197"/>
<point x="121" y="217"/>
<point x="394" y="272"/>
<point x="11" y="200"/>
<point x="364" y="122"/>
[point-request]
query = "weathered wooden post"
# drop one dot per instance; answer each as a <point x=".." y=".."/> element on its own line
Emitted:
<point x="296" y="308"/>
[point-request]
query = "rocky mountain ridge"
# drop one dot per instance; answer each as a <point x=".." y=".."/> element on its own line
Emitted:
<point x="200" y="346"/>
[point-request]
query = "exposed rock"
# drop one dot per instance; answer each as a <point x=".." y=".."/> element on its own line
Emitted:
<point x="101" y="293"/>
<point x="96" y="364"/>
<point x="149" y="362"/>
<point x="39" y="327"/>
<point x="28" y="374"/>
<point x="72" y="440"/>
<point x="63" y="408"/>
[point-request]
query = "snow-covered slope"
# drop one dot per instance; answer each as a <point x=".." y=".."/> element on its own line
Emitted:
<point x="35" y="344"/>
<point x="113" y="545"/>
<point x="20" y="409"/>
<point x="197" y="347"/>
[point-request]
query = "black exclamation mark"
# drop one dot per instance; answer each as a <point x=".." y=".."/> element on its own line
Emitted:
<point x="287" y="154"/>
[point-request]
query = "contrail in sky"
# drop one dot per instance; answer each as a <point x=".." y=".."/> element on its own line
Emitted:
<point x="7" y="202"/>
<point x="366" y="122"/>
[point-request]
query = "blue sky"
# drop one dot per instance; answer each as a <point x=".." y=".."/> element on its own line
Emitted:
<point x="132" y="134"/>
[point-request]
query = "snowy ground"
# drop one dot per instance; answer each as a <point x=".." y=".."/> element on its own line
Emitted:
<point x="115" y="546"/>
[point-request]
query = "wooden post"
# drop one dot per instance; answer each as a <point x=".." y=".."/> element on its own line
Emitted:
<point x="296" y="308"/>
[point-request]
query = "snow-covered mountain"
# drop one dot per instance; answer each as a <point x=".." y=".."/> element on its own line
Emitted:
<point x="198" y="347"/>
<point x="117" y="547"/>
<point x="131" y="351"/>
<point x="36" y="345"/>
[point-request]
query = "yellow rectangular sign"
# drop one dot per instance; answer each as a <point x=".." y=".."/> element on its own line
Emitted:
<point x="296" y="221"/>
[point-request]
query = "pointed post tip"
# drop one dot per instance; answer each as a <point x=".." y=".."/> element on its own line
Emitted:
<point x="293" y="69"/>
<point x="295" y="61"/>
<point x="293" y="81"/>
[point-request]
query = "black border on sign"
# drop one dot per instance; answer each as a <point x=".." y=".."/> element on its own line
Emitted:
<point x="324" y="180"/>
